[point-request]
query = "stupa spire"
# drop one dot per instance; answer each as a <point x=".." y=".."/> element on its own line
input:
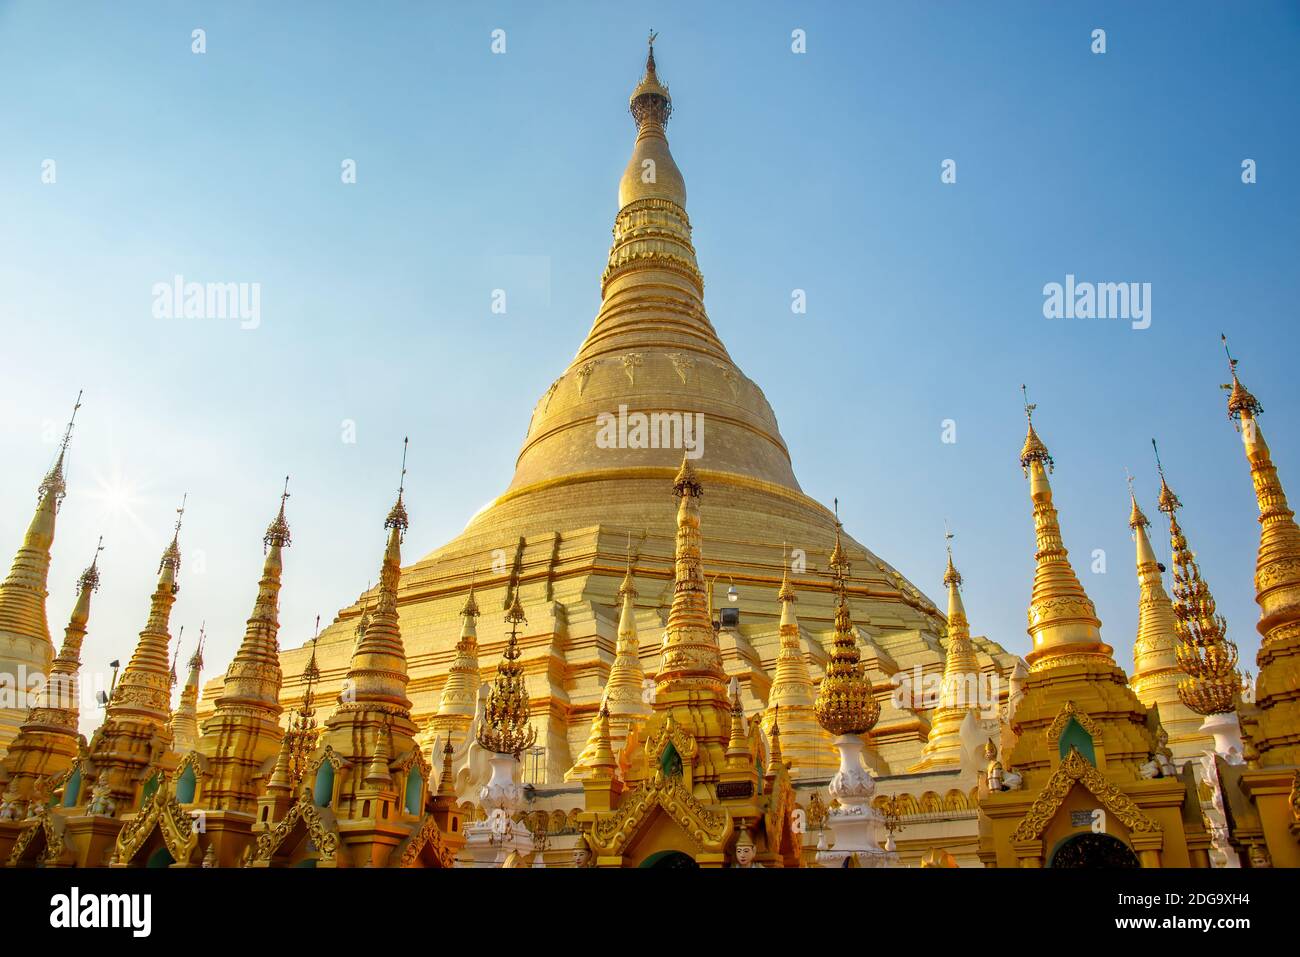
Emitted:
<point x="961" y="666"/>
<point x="691" y="659"/>
<point x="244" y="729"/>
<point x="24" y="628"/>
<point x="1205" y="655"/>
<point x="1062" y="618"/>
<point x="960" y="688"/>
<point x="460" y="693"/>
<point x="185" y="726"/>
<point x="143" y="694"/>
<point x="792" y="694"/>
<point x="377" y="674"/>
<point x="652" y="290"/>
<point x="57" y="706"/>
<point x="625" y="693"/>
<point x="1155" y="659"/>
<point x="1277" y="589"/>
<point x="48" y="741"/>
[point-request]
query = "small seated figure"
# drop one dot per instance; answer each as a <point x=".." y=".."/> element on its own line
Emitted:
<point x="1012" y="781"/>
<point x="1150" y="769"/>
<point x="11" y="806"/>
<point x="101" y="799"/>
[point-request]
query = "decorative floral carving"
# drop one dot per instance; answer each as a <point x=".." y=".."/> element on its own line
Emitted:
<point x="584" y="373"/>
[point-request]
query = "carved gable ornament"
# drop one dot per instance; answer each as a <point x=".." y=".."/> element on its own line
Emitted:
<point x="1075" y="768"/>
<point x="707" y="830"/>
<point x="1058" y="725"/>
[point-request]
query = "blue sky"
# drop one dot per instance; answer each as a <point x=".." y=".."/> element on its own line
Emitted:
<point x="476" y="171"/>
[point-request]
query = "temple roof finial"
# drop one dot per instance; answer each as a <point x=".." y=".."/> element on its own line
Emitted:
<point x="90" y="577"/>
<point x="1169" y="502"/>
<point x="1135" y="518"/>
<point x="277" y="533"/>
<point x="1239" y="399"/>
<point x="397" y="518"/>
<point x="1033" y="450"/>
<point x="54" y="483"/>
<point x="950" y="576"/>
<point x="650" y="102"/>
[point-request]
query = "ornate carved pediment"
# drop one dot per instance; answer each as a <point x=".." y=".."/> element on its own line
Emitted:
<point x="191" y="759"/>
<point x="1076" y="768"/>
<point x="1057" y="727"/>
<point x="670" y="732"/>
<point x="707" y="830"/>
<point x="335" y="760"/>
<point x="46" y="827"/>
<point x="174" y="824"/>
<point x="427" y="840"/>
<point x="304" y="816"/>
<point x="413" y="756"/>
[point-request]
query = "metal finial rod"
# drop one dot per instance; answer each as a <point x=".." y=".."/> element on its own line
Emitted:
<point x="67" y="433"/>
<point x="1232" y="363"/>
<point x="203" y="628"/>
<point x="99" y="547"/>
<point x="653" y="36"/>
<point x="1128" y="476"/>
<point x="180" y="512"/>
<point x="1029" y="406"/>
<point x="948" y="536"/>
<point x="401" y="487"/>
<point x="1159" y="467"/>
<point x="285" y="494"/>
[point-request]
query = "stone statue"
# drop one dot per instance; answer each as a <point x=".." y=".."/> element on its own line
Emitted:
<point x="101" y="798"/>
<point x="12" y="807"/>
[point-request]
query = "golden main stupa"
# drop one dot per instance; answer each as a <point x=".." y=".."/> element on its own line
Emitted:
<point x="653" y="648"/>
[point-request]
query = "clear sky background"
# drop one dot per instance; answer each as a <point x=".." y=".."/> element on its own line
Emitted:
<point x="476" y="171"/>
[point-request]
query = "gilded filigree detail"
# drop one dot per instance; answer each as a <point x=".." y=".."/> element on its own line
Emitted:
<point x="682" y="365"/>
